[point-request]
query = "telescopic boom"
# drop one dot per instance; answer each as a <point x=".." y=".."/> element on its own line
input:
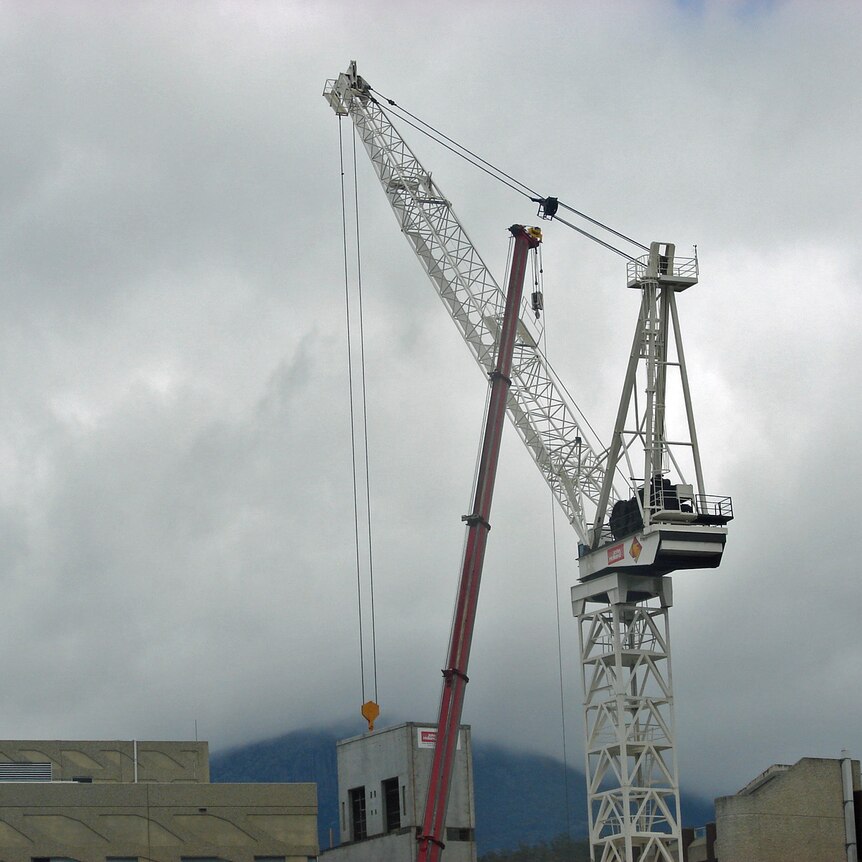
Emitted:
<point x="455" y="673"/>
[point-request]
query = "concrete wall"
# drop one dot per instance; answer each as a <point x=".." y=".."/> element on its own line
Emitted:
<point x="395" y="847"/>
<point x="114" y="761"/>
<point x="161" y="822"/>
<point x="700" y="847"/>
<point x="90" y="822"/>
<point x="400" y="752"/>
<point x="794" y="813"/>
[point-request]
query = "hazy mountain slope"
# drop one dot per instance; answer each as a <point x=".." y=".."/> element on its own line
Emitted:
<point x="520" y="798"/>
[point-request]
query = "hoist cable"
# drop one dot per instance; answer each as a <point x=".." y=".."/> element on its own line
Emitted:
<point x="601" y="225"/>
<point x="461" y="147"/>
<point x="352" y="414"/>
<point x="501" y="176"/>
<point x="601" y="242"/>
<point x="452" y="149"/>
<point x="559" y="614"/>
<point x="364" y="420"/>
<point x="564" y="736"/>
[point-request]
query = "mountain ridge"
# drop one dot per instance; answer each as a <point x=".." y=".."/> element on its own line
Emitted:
<point x="521" y="798"/>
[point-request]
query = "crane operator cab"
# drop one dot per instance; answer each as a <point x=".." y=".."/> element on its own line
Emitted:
<point x="685" y="531"/>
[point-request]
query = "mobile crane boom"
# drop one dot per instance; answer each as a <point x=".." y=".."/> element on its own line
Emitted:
<point x="478" y="524"/>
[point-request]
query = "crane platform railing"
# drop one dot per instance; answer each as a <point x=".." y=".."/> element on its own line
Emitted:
<point x="669" y="504"/>
<point x="681" y="268"/>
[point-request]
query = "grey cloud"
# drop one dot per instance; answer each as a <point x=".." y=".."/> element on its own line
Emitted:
<point x="175" y="500"/>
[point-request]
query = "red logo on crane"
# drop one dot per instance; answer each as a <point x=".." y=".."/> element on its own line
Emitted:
<point x="615" y="554"/>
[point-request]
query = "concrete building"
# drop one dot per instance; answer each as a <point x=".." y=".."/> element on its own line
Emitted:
<point x="809" y="811"/>
<point x="382" y="786"/>
<point x="123" y="801"/>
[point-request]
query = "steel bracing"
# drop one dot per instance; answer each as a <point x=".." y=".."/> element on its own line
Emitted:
<point x="632" y="780"/>
<point x="642" y="425"/>
<point x="537" y="405"/>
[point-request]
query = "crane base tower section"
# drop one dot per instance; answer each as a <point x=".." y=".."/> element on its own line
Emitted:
<point x="632" y="779"/>
<point x="382" y="786"/>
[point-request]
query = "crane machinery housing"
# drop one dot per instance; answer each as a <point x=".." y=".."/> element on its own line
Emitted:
<point x="637" y="517"/>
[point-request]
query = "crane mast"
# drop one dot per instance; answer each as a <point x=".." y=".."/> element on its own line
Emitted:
<point x="629" y="542"/>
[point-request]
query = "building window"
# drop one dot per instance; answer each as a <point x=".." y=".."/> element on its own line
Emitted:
<point x="459" y="833"/>
<point x="391" y="804"/>
<point x="359" y="827"/>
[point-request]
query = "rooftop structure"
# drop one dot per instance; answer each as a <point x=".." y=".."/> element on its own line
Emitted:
<point x="92" y="801"/>
<point x="810" y="810"/>
<point x="382" y="785"/>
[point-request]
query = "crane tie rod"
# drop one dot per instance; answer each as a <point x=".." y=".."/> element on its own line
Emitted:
<point x="501" y="176"/>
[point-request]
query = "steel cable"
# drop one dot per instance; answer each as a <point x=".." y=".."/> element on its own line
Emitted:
<point x="365" y="420"/>
<point x="501" y="176"/>
<point x="352" y="411"/>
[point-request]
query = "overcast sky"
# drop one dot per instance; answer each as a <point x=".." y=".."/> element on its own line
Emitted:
<point x="175" y="485"/>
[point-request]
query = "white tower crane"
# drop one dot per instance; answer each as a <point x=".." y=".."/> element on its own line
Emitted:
<point x="629" y="541"/>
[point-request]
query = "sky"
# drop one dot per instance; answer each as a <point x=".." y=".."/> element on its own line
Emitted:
<point x="176" y="498"/>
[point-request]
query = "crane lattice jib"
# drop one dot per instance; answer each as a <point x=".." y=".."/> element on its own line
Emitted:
<point x="537" y="406"/>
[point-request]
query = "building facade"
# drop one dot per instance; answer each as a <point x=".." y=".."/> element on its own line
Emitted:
<point x="106" y="801"/>
<point x="382" y="787"/>
<point x="808" y="811"/>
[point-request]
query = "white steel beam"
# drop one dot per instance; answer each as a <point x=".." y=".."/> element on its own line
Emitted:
<point x="632" y="780"/>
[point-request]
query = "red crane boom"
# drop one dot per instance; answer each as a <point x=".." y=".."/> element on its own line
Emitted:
<point x="455" y="674"/>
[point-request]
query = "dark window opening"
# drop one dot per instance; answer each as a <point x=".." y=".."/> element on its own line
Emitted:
<point x="459" y="833"/>
<point x="391" y="804"/>
<point x="357" y="813"/>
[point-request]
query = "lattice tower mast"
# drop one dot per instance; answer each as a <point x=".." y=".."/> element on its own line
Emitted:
<point x="628" y="543"/>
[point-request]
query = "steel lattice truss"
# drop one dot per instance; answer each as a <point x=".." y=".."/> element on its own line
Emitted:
<point x="631" y="765"/>
<point x="537" y="406"/>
